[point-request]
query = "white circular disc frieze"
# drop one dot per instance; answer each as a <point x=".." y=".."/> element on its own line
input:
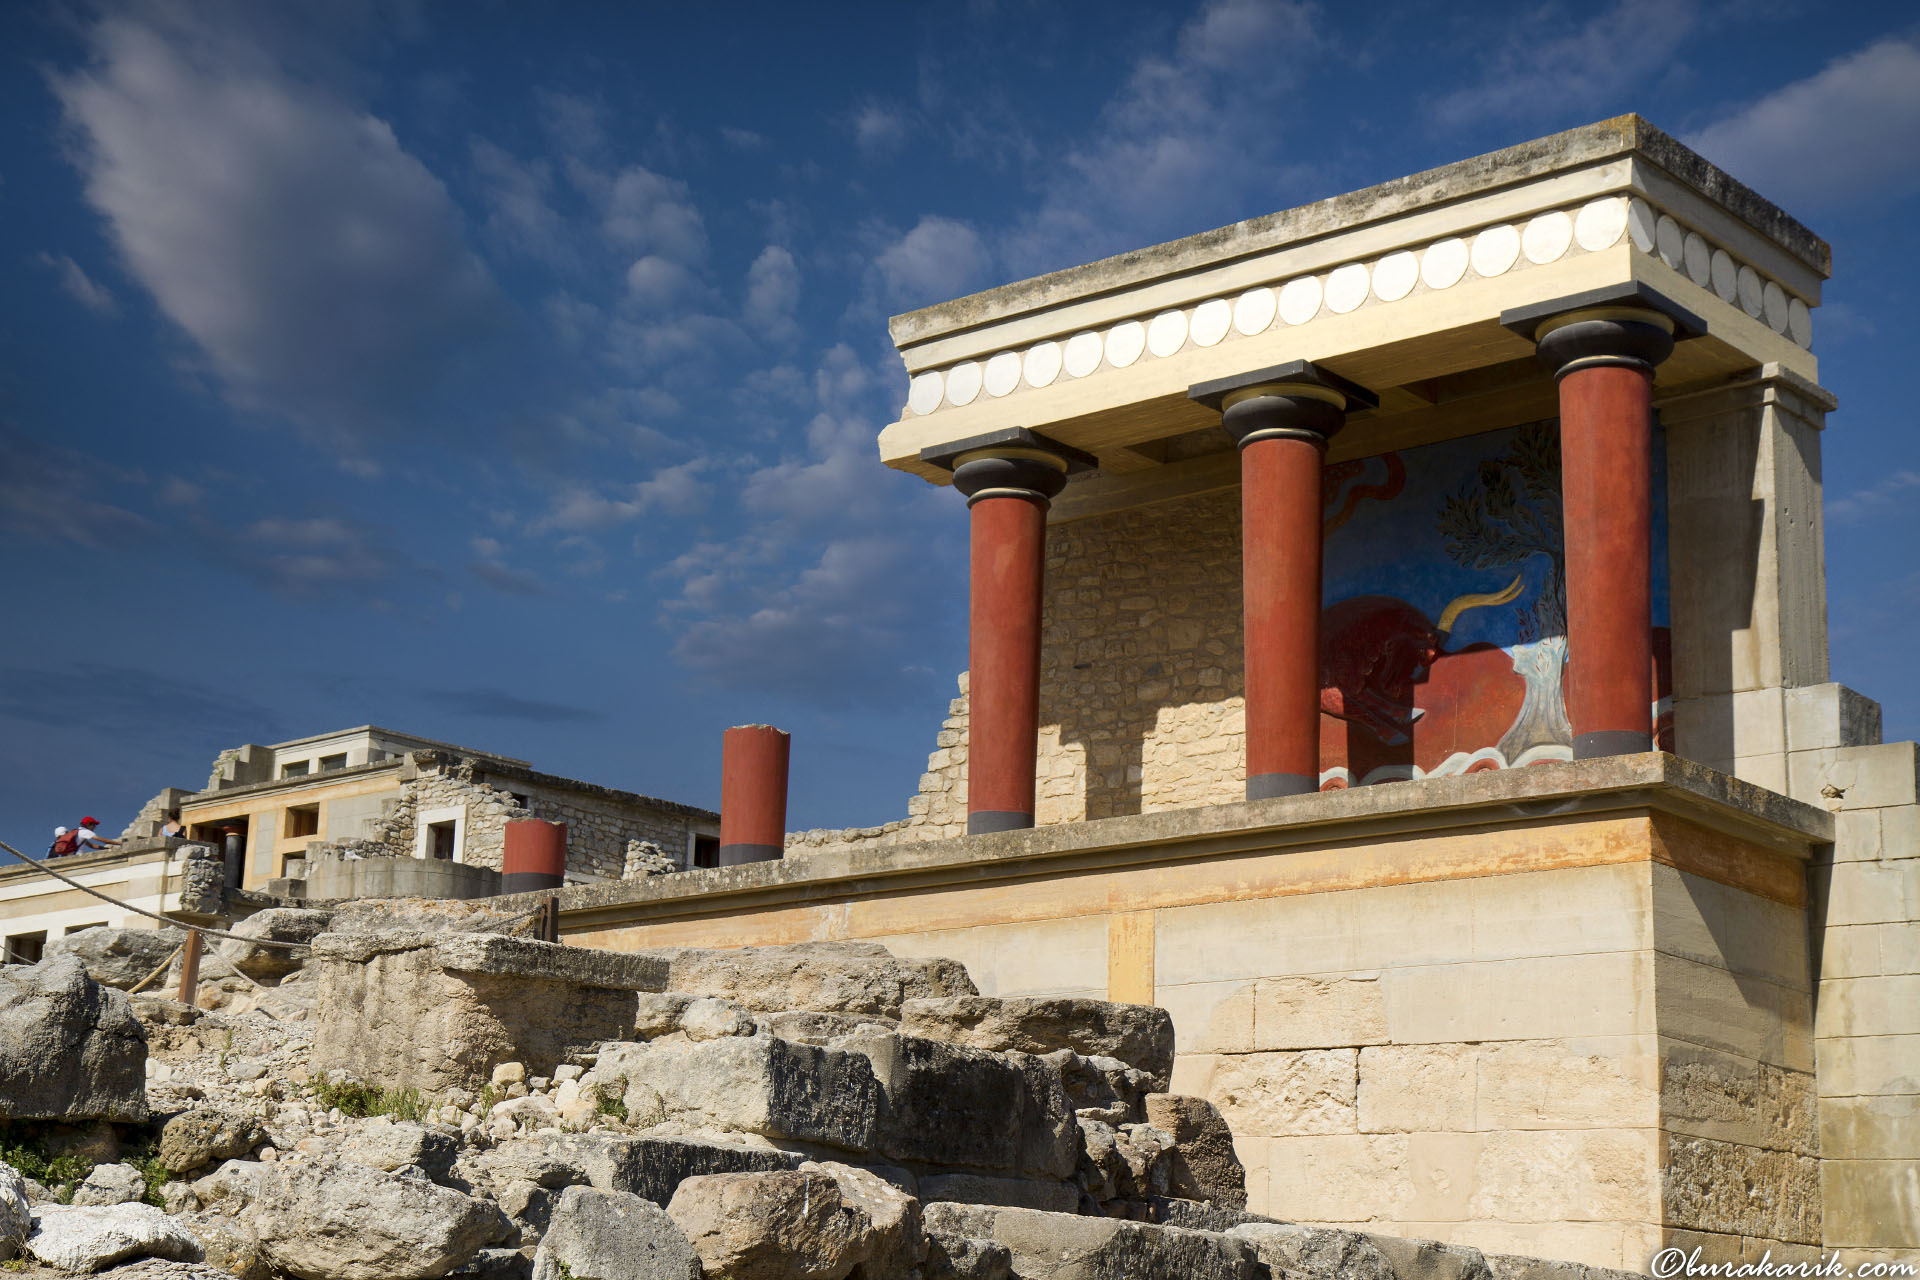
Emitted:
<point x="1042" y="364"/>
<point x="1600" y="223"/>
<point x="924" y="392"/>
<point x="1699" y="256"/>
<point x="1495" y="250"/>
<point x="1125" y="342"/>
<point x="1670" y="240"/>
<point x="963" y="382"/>
<point x="1300" y="300"/>
<point x="1395" y="275"/>
<point x="1253" y="311"/>
<point x="1773" y="301"/>
<point x="1799" y="322"/>
<point x="1726" y="275"/>
<point x="1547" y="238"/>
<point x="1003" y="373"/>
<point x="1167" y="333"/>
<point x="1444" y="262"/>
<point x="1082" y="355"/>
<point x="1347" y="287"/>
<point x="1752" y="298"/>
<point x="1641" y="223"/>
<point x="1211" y="320"/>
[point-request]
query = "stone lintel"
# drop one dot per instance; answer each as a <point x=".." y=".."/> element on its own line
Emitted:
<point x="1543" y="794"/>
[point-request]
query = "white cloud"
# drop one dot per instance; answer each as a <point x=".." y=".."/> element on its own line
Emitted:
<point x="1548" y="56"/>
<point x="318" y="265"/>
<point x="651" y="214"/>
<point x="773" y="291"/>
<point x="938" y="258"/>
<point x="878" y="130"/>
<point x="520" y="213"/>
<point x="675" y="490"/>
<point x="742" y="139"/>
<point x="80" y="286"/>
<point x="1848" y="132"/>
<point x="1862" y="503"/>
<point x="656" y="283"/>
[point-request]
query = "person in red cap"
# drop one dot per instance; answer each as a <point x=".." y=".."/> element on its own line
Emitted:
<point x="89" y="838"/>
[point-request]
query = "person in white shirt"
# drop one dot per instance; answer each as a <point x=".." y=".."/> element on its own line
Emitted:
<point x="91" y="839"/>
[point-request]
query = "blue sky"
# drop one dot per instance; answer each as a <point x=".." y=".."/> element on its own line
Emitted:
<point x="510" y="374"/>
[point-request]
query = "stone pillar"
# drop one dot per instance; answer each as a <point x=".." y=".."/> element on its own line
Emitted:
<point x="1282" y="419"/>
<point x="533" y="855"/>
<point x="1009" y="478"/>
<point x="1603" y="347"/>
<point x="753" y="794"/>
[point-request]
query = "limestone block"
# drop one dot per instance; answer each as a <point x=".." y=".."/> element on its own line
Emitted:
<point x="1871" y="892"/>
<point x="1416" y="1259"/>
<point x="276" y="924"/>
<point x="1852" y="951"/>
<point x="1577" y="1084"/>
<point x="1558" y="1175"/>
<point x="775" y="1088"/>
<point x="1868" y="1065"/>
<point x="1211" y="1017"/>
<point x="1139" y="1035"/>
<point x="1537" y="1248"/>
<point x="1574" y="910"/>
<point x="650" y="1167"/>
<point x="1707" y="1005"/>
<point x="1204" y="1165"/>
<point x="1054" y="1246"/>
<point x="205" y="1134"/>
<point x="1860" y="777"/>
<point x="1829" y="715"/>
<point x="1405" y="1088"/>
<point x="320" y="1220"/>
<point x="1314" y="1013"/>
<point x="1882" y="1006"/>
<point x="1338" y="1177"/>
<point x="1307" y="1091"/>
<point x="607" y="1235"/>
<point x="1726" y="1187"/>
<point x="772" y="1226"/>
<point x="1899" y="947"/>
<point x="1541" y="998"/>
<point x="1315" y="1251"/>
<point x="830" y="977"/>
<point x="1882" y="1128"/>
<point x="897" y="1243"/>
<point x="1442" y="1172"/>
<point x="1704" y="1093"/>
<point x="1013" y="1193"/>
<point x="1869" y="1204"/>
<point x="16" y="1215"/>
<point x="1769" y="772"/>
<point x="118" y="957"/>
<point x="77" y="1238"/>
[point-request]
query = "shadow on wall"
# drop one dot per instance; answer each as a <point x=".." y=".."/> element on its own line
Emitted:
<point x="1443" y="640"/>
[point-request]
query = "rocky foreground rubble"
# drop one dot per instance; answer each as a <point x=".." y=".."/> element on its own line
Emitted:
<point x="441" y="1097"/>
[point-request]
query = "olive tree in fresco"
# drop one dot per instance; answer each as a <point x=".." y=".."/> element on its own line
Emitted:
<point x="1510" y="517"/>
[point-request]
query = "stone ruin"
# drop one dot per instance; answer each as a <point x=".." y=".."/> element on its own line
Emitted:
<point x="459" y="1099"/>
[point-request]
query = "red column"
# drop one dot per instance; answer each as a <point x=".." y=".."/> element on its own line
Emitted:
<point x="1603" y="350"/>
<point x="1282" y="418"/>
<point x="1606" y="470"/>
<point x="1003" y="660"/>
<point x="1280" y="557"/>
<point x="533" y="856"/>
<point x="753" y="794"/>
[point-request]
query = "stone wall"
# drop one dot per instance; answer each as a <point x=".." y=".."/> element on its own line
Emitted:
<point x="600" y="822"/>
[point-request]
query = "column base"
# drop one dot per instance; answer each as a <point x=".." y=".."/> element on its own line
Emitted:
<point x="530" y="881"/>
<point x="1265" y="786"/>
<point x="992" y="820"/>
<point x="1610" y="742"/>
<point x="737" y="855"/>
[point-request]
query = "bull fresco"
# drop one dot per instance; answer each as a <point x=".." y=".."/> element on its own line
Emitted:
<point x="1443" y="640"/>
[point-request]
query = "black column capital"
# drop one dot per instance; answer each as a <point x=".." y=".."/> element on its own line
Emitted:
<point x="1294" y="401"/>
<point x="1622" y="326"/>
<point x="1010" y="463"/>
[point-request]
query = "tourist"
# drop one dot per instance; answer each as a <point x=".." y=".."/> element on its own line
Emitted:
<point x="89" y="839"/>
<point x="63" y="842"/>
<point x="173" y="828"/>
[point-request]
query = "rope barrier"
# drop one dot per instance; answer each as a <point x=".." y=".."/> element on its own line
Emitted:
<point x="138" y="986"/>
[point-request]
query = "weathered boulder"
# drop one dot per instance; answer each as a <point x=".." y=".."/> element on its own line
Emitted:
<point x="1101" y="1088"/>
<point x="610" y="1235"/>
<point x="750" y="1084"/>
<point x="75" y="1238"/>
<point x="772" y="1226"/>
<point x="1139" y="1035"/>
<point x="813" y="1027"/>
<point x="1415" y="1259"/>
<point x="1055" y="1246"/>
<point x="964" y="1258"/>
<point x="896" y="1245"/>
<point x="16" y="1216"/>
<point x="710" y="1018"/>
<point x="111" y="1184"/>
<point x="946" y="1104"/>
<point x="276" y="924"/>
<point x="651" y="1167"/>
<point x="1128" y="1163"/>
<point x="1315" y="1251"/>
<point x="118" y="957"/>
<point x="206" y="1134"/>
<point x="1203" y="1164"/>
<point x="397" y="1145"/>
<point x="824" y="977"/>
<point x="1507" y="1266"/>
<point x="407" y="1008"/>
<point x="333" y="1220"/>
<point x="70" y="1049"/>
<point x="1014" y="1193"/>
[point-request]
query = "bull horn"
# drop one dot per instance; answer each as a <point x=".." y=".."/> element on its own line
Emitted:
<point x="1474" y="600"/>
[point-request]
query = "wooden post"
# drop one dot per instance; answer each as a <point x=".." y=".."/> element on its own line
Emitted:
<point x="190" y="969"/>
